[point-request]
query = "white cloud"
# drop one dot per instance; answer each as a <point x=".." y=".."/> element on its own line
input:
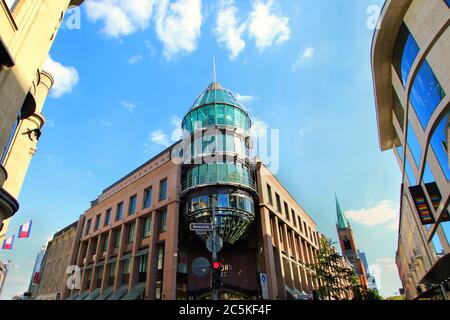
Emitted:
<point x="135" y="59"/>
<point x="384" y="212"/>
<point x="386" y="264"/>
<point x="244" y="99"/>
<point x="177" y="133"/>
<point x="228" y="30"/>
<point x="266" y="27"/>
<point x="178" y="25"/>
<point x="65" y="77"/>
<point x="160" y="138"/>
<point x="120" y="17"/>
<point x="106" y="123"/>
<point x="304" y="56"/>
<point x="259" y="128"/>
<point x="129" y="106"/>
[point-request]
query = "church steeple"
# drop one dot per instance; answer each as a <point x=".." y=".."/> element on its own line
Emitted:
<point x="341" y="219"/>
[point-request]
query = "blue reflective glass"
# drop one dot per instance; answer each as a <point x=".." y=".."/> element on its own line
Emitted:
<point x="414" y="145"/>
<point x="437" y="245"/>
<point x="426" y="94"/>
<point x="410" y="173"/>
<point x="400" y="152"/>
<point x="428" y="176"/>
<point x="409" y="55"/>
<point x="446" y="228"/>
<point x="447" y="2"/>
<point x="439" y="144"/>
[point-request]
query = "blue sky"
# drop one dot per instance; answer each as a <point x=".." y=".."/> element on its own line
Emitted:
<point x="126" y="77"/>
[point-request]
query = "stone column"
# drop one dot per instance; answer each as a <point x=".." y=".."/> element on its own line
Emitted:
<point x="169" y="291"/>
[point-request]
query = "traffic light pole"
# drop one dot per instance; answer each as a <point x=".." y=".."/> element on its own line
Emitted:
<point x="215" y="294"/>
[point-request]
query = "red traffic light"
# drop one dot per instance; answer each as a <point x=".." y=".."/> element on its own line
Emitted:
<point x="216" y="265"/>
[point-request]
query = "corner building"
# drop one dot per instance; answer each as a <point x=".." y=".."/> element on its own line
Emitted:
<point x="411" y="71"/>
<point x="135" y="241"/>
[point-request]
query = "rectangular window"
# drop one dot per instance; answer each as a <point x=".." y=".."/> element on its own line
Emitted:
<point x="163" y="190"/>
<point x="97" y="222"/>
<point x="163" y="221"/>
<point x="131" y="232"/>
<point x="88" y="227"/>
<point x="277" y="197"/>
<point x="105" y="242"/>
<point x="147" y="197"/>
<point x="112" y="274"/>
<point x="142" y="268"/>
<point x="160" y="264"/>
<point x="132" y="205"/>
<point x="108" y="217"/>
<point x="117" y="239"/>
<point x="119" y="211"/>
<point x="158" y="290"/>
<point x="294" y="217"/>
<point x="405" y="53"/>
<point x="286" y="211"/>
<point x="147" y="227"/>
<point x="269" y="194"/>
<point x="126" y="271"/>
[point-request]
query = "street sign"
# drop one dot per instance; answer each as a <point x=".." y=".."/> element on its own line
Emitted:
<point x="264" y="287"/>
<point x="217" y="241"/>
<point x="200" y="232"/>
<point x="201" y="267"/>
<point x="201" y="227"/>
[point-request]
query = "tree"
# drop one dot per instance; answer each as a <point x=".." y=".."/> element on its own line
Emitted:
<point x="334" y="278"/>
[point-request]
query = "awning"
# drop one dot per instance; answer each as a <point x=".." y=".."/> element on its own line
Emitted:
<point x="439" y="273"/>
<point x="105" y="295"/>
<point x="119" y="293"/>
<point x="94" y="294"/>
<point x="72" y="297"/>
<point x="83" y="296"/>
<point x="135" y="293"/>
<point x="142" y="252"/>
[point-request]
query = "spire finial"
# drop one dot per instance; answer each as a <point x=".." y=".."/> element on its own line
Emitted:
<point x="214" y="65"/>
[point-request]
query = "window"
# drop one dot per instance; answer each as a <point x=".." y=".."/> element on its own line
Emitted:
<point x="117" y="239"/>
<point x="277" y="197"/>
<point x="405" y="53"/>
<point x="131" y="232"/>
<point x="286" y="211"/>
<point x="88" y="227"/>
<point x="105" y="242"/>
<point x="163" y="190"/>
<point x="160" y="257"/>
<point x="147" y="198"/>
<point x="147" y="227"/>
<point x="439" y="144"/>
<point x="132" y="205"/>
<point x="269" y="193"/>
<point x="126" y="271"/>
<point x="414" y="145"/>
<point x="112" y="273"/>
<point x="163" y="221"/>
<point x="97" y="222"/>
<point x="119" y="211"/>
<point x="108" y="217"/>
<point x="142" y="268"/>
<point x="294" y="217"/>
<point x="426" y="94"/>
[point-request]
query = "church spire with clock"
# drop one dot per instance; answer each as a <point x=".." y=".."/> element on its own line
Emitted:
<point x="348" y="245"/>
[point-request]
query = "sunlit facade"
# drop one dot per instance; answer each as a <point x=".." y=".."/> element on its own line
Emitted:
<point x="411" y="67"/>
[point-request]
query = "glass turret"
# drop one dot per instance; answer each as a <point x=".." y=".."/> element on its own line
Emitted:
<point x="219" y="174"/>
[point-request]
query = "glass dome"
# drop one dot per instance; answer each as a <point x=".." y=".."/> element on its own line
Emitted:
<point x="216" y="106"/>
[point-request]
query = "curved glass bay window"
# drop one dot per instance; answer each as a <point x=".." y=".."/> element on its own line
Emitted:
<point x="426" y="94"/>
<point x="220" y="141"/>
<point x="405" y="53"/>
<point x="216" y="114"/>
<point x="439" y="143"/>
<point x="218" y="173"/>
<point x="234" y="211"/>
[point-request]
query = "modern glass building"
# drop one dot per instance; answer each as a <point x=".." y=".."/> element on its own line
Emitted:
<point x="411" y="67"/>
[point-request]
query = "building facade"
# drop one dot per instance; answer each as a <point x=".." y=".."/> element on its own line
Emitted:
<point x="135" y="241"/>
<point x="52" y="277"/>
<point x="348" y="245"/>
<point x="36" y="273"/>
<point x="411" y="68"/>
<point x="28" y="29"/>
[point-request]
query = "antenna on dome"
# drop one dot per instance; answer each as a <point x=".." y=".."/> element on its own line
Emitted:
<point x="214" y="66"/>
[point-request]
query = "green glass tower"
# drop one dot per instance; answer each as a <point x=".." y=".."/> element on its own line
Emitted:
<point x="219" y="173"/>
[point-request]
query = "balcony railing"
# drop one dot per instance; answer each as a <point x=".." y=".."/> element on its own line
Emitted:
<point x="216" y="180"/>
